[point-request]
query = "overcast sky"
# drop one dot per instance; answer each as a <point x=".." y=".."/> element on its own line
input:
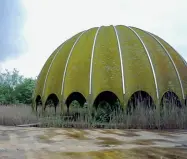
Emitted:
<point x="12" y="17"/>
<point x="31" y="29"/>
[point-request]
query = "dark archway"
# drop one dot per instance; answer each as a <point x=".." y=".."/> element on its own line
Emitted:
<point x="170" y="100"/>
<point x="75" y="100"/>
<point x="38" y="102"/>
<point x="185" y="101"/>
<point x="75" y="96"/>
<point x="140" y="99"/>
<point x="106" y="106"/>
<point x="52" y="102"/>
<point x="171" y="110"/>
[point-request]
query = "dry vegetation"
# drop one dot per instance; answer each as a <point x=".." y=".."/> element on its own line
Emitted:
<point x="12" y="115"/>
<point x="172" y="118"/>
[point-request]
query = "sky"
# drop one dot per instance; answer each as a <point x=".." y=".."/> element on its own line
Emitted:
<point x="32" y="29"/>
<point x="12" y="17"/>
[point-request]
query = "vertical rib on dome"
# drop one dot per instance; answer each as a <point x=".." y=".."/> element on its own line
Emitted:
<point x="42" y="75"/>
<point x="54" y="80"/>
<point x="152" y="67"/>
<point x="106" y="74"/>
<point x="121" y="61"/>
<point x="49" y="69"/>
<point x="63" y="80"/>
<point x="117" y="59"/>
<point x="167" y="77"/>
<point x="78" y="69"/>
<point x="183" y="60"/>
<point x="91" y="62"/>
<point x="177" y="72"/>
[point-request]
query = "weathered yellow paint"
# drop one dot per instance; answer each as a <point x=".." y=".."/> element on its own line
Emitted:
<point x="138" y="73"/>
<point x="77" y="77"/>
<point x="162" y="65"/>
<point x="178" y="62"/>
<point x="54" y="80"/>
<point x="42" y="75"/>
<point x="106" y="75"/>
<point x="106" y="64"/>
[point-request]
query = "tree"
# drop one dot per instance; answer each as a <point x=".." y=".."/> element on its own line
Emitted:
<point x="15" y="89"/>
<point x="6" y="95"/>
<point x="11" y="78"/>
<point x="23" y="91"/>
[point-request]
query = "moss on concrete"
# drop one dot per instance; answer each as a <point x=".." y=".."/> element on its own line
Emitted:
<point x="106" y="64"/>
<point x="79" y="66"/>
<point x="141" y="153"/>
<point x="106" y="76"/>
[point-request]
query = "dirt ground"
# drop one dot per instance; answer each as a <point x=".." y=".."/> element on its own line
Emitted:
<point x="40" y="143"/>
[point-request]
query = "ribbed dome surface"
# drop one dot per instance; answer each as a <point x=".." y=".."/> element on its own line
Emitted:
<point x="119" y="59"/>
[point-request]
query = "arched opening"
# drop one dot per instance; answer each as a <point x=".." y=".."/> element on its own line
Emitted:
<point x="38" y="102"/>
<point x="75" y="103"/>
<point x="185" y="101"/>
<point x="171" y="111"/>
<point x="106" y="106"/>
<point x="51" y="104"/>
<point x="170" y="100"/>
<point x="140" y="100"/>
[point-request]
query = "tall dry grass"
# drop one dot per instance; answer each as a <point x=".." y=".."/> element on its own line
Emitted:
<point x="170" y="117"/>
<point x="12" y="115"/>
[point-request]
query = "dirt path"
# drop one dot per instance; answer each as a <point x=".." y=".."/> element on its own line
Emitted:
<point x="33" y="143"/>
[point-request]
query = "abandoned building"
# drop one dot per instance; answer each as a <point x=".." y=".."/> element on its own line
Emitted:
<point x="110" y="63"/>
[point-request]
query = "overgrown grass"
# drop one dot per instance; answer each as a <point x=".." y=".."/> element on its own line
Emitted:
<point x="13" y="115"/>
<point x="174" y="118"/>
<point x="170" y="117"/>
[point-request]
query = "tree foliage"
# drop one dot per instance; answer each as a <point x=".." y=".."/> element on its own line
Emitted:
<point x="15" y="89"/>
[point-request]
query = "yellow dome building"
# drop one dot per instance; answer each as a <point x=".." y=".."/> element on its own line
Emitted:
<point x="109" y="62"/>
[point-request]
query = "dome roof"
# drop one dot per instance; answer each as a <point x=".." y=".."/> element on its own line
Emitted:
<point x="118" y="59"/>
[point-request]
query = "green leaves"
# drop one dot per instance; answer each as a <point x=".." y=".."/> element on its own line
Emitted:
<point x="23" y="91"/>
<point x="15" y="89"/>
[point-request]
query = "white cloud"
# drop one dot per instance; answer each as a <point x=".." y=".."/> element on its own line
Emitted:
<point x="50" y="22"/>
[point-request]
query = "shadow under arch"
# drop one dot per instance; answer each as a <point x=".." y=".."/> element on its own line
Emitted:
<point x="170" y="99"/>
<point x="52" y="101"/>
<point x="140" y="99"/>
<point x="38" y="102"/>
<point x="106" y="105"/>
<point x="185" y="101"/>
<point x="77" y="97"/>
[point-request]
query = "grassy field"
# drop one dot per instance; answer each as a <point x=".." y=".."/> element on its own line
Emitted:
<point x="12" y="115"/>
<point x="173" y="118"/>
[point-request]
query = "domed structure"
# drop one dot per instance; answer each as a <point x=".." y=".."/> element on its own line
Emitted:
<point x="111" y="61"/>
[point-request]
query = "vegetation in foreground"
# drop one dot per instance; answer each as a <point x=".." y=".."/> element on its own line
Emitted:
<point x="140" y="118"/>
<point x="16" y="97"/>
<point x="169" y="117"/>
